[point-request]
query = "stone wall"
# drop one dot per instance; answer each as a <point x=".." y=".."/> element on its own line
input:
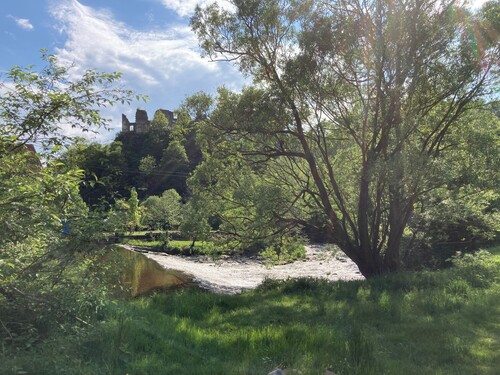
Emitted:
<point x="141" y="124"/>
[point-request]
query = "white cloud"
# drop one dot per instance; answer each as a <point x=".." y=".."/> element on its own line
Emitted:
<point x="23" y="23"/>
<point x="476" y="4"/>
<point x="163" y="64"/>
<point x="186" y="7"/>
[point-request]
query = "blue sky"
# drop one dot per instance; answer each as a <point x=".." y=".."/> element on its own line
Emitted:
<point x="149" y="41"/>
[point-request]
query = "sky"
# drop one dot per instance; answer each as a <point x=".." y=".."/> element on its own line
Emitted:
<point x="149" y="41"/>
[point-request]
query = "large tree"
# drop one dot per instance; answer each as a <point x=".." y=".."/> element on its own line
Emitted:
<point x="354" y="100"/>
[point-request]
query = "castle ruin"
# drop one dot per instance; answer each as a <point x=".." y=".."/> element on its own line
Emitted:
<point x="142" y="123"/>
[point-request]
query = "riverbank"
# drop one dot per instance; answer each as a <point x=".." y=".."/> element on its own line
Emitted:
<point x="232" y="275"/>
<point x="415" y="323"/>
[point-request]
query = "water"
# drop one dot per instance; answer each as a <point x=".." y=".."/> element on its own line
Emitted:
<point x="142" y="275"/>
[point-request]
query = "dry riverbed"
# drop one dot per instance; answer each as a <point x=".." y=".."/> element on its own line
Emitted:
<point x="234" y="274"/>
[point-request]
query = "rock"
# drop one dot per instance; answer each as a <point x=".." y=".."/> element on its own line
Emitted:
<point x="285" y="371"/>
<point x="278" y="371"/>
<point x="329" y="372"/>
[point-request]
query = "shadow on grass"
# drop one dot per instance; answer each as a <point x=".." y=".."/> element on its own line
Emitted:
<point x="415" y="323"/>
<point x="197" y="332"/>
<point x="425" y="323"/>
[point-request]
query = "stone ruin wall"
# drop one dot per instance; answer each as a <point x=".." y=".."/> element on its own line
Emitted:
<point x="141" y="124"/>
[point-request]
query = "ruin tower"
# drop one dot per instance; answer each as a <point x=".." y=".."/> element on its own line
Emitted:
<point x="141" y="121"/>
<point x="125" y="124"/>
<point x="141" y="124"/>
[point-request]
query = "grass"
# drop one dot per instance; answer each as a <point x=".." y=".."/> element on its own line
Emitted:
<point x="158" y="243"/>
<point x="270" y="256"/>
<point x="445" y="322"/>
<point x="173" y="246"/>
<point x="150" y="232"/>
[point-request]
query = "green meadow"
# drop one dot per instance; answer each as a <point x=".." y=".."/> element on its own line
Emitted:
<point x="444" y="322"/>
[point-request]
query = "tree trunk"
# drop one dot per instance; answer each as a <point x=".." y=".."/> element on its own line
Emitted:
<point x="370" y="266"/>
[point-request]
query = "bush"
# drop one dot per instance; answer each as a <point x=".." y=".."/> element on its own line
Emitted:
<point x="462" y="221"/>
<point x="478" y="269"/>
<point x="162" y="212"/>
<point x="286" y="250"/>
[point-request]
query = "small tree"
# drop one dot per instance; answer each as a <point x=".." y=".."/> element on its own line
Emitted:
<point x="162" y="212"/>
<point x="194" y="223"/>
<point x="134" y="213"/>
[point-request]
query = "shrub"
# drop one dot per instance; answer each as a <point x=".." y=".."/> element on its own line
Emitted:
<point x="286" y="249"/>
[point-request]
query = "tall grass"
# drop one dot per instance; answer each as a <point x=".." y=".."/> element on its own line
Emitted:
<point x="173" y="246"/>
<point x="444" y="322"/>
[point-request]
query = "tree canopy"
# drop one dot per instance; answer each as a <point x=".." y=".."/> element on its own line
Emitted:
<point x="40" y="105"/>
<point x="352" y="104"/>
<point x="50" y="265"/>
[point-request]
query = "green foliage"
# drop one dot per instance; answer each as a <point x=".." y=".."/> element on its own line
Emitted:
<point x="104" y="167"/>
<point x="194" y="224"/>
<point x="51" y="269"/>
<point x="461" y="218"/>
<point x="350" y="112"/>
<point x="463" y="212"/>
<point x="196" y="107"/>
<point x="163" y="212"/>
<point x="134" y="214"/>
<point x="36" y="104"/>
<point x="159" y="135"/>
<point x="252" y="210"/>
<point x="152" y="162"/>
<point x="154" y="213"/>
<point x="477" y="270"/>
<point x="174" y="166"/>
<point x="147" y="165"/>
<point x="125" y="214"/>
<point x="287" y="249"/>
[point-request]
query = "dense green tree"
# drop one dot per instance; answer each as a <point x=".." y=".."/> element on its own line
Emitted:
<point x="148" y="169"/>
<point x="163" y="212"/>
<point x="174" y="167"/>
<point x="354" y="102"/>
<point x="147" y="165"/>
<point x="463" y="211"/>
<point x="195" y="220"/>
<point x="134" y="214"/>
<point x="158" y="137"/>
<point x="251" y="209"/>
<point x="49" y="240"/>
<point x="153" y="162"/>
<point x="105" y="171"/>
<point x="133" y="150"/>
<point x="51" y="252"/>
